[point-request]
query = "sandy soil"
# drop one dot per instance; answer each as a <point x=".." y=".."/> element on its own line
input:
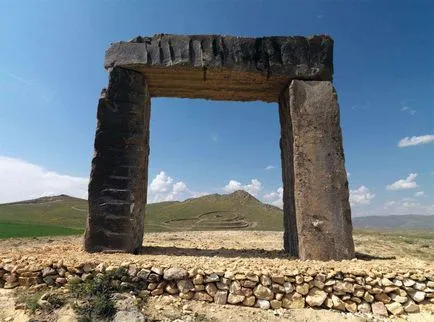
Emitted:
<point x="7" y="308"/>
<point x="240" y="251"/>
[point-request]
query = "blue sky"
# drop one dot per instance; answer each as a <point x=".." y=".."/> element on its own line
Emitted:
<point x="51" y="74"/>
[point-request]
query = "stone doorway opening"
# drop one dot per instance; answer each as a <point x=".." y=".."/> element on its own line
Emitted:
<point x="294" y="72"/>
<point x="233" y="141"/>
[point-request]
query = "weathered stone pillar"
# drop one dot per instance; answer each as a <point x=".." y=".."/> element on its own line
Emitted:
<point x="119" y="176"/>
<point x="290" y="238"/>
<point x="321" y="187"/>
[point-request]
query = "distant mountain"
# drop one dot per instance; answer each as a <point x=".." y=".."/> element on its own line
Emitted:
<point x="236" y="211"/>
<point x="395" y="222"/>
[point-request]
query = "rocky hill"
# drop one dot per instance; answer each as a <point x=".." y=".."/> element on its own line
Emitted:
<point x="59" y="215"/>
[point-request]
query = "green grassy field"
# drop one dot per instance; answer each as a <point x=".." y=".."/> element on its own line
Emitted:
<point x="64" y="215"/>
<point x="8" y="230"/>
<point x="61" y="211"/>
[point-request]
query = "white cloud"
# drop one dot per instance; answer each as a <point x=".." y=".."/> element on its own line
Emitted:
<point x="275" y="198"/>
<point x="21" y="180"/>
<point x="415" y="140"/>
<point x="179" y="187"/>
<point x="408" y="199"/>
<point x="409" y="204"/>
<point x="270" y="167"/>
<point x="408" y="110"/>
<point x="406" y="207"/>
<point x="348" y="174"/>
<point x="419" y="194"/>
<point x="361" y="196"/>
<point x="163" y="188"/>
<point x="195" y="194"/>
<point x="161" y="183"/>
<point x="254" y="187"/>
<point x="232" y="186"/>
<point x="390" y="203"/>
<point x="407" y="183"/>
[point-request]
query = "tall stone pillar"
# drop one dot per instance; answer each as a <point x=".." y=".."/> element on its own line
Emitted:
<point x="290" y="237"/>
<point x="321" y="187"/>
<point x="119" y="176"/>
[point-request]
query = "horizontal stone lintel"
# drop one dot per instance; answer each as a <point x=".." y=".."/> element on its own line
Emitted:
<point x="224" y="67"/>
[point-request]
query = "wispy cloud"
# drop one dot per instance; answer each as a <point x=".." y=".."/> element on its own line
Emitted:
<point x="408" y="109"/>
<point x="419" y="194"/>
<point x="362" y="106"/>
<point x="270" y="167"/>
<point x="407" y="183"/>
<point x="36" y="90"/>
<point x="19" y="78"/>
<point x="405" y="207"/>
<point x="415" y="140"/>
<point x="214" y="137"/>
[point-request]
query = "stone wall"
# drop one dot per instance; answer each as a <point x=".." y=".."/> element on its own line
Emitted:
<point x="372" y="291"/>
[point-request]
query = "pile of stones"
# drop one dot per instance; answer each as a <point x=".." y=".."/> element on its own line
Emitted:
<point x="380" y="293"/>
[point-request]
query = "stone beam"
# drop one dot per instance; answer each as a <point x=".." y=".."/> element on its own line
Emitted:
<point x="321" y="187"/>
<point x="224" y="67"/>
<point x="118" y="182"/>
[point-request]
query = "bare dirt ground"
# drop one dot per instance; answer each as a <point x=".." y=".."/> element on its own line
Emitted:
<point x="240" y="251"/>
<point x="7" y="307"/>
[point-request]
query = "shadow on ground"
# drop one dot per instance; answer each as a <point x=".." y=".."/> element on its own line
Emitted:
<point x="367" y="257"/>
<point x="221" y="252"/>
<point x="234" y="253"/>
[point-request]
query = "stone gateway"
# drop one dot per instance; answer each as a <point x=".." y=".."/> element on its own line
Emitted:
<point x="294" y="72"/>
